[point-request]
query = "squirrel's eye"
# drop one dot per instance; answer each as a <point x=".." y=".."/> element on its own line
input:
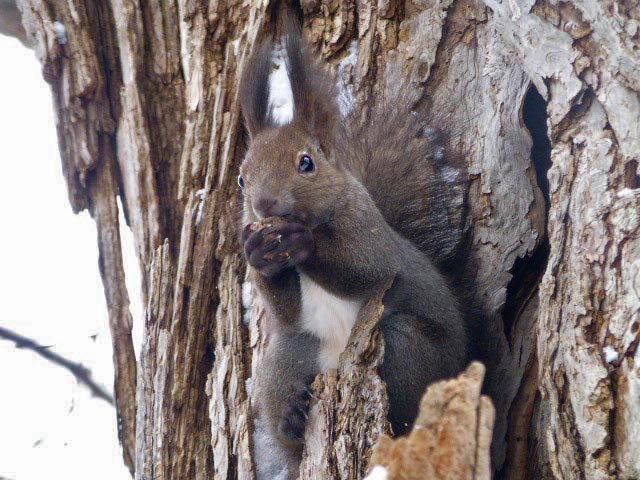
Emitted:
<point x="240" y="181"/>
<point x="306" y="164"/>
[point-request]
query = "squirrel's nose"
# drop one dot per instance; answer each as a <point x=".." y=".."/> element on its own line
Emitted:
<point x="269" y="206"/>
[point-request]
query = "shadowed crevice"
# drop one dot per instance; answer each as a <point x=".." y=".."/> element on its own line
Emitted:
<point x="527" y="271"/>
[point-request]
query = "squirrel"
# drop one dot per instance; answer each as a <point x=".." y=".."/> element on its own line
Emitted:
<point x="333" y="208"/>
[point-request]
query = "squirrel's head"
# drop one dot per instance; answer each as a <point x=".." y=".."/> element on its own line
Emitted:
<point x="289" y="169"/>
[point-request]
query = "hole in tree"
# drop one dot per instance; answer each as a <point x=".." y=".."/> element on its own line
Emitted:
<point x="528" y="270"/>
<point x="534" y="115"/>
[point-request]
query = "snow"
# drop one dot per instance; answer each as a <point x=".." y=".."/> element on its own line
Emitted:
<point x="201" y="196"/>
<point x="247" y="302"/>
<point x="626" y="192"/>
<point x="450" y="174"/>
<point x="428" y="131"/>
<point x="61" y="32"/>
<point x="377" y="473"/>
<point x="610" y="354"/>
<point x="51" y="292"/>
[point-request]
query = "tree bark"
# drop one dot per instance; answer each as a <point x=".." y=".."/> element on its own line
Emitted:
<point x="145" y="94"/>
<point x="10" y="22"/>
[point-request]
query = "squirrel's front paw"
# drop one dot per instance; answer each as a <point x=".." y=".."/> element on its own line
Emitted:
<point x="277" y="246"/>
<point x="295" y="414"/>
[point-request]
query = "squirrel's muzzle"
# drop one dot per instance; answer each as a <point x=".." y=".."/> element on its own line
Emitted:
<point x="271" y="206"/>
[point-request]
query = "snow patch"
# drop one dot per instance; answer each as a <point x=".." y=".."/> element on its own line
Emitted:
<point x="626" y="192"/>
<point x="247" y="302"/>
<point x="450" y="174"/>
<point x="428" y="131"/>
<point x="610" y="354"/>
<point x="61" y="32"/>
<point x="201" y="196"/>
<point x="377" y="473"/>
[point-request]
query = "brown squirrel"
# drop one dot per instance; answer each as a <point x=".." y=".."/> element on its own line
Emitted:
<point x="334" y="208"/>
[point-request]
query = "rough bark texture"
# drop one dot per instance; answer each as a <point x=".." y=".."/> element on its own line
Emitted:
<point x="146" y="101"/>
<point x="584" y="59"/>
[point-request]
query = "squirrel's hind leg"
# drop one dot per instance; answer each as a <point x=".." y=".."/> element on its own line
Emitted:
<point x="414" y="357"/>
<point x="280" y="399"/>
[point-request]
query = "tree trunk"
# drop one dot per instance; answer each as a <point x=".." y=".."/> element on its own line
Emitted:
<point x="146" y="99"/>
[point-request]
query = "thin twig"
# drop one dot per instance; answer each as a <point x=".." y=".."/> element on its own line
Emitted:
<point x="82" y="373"/>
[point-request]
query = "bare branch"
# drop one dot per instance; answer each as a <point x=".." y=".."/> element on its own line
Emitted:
<point x="82" y="373"/>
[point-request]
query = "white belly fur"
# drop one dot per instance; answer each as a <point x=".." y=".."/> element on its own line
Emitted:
<point x="329" y="318"/>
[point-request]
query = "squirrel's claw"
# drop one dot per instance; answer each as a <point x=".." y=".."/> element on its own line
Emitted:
<point x="295" y="414"/>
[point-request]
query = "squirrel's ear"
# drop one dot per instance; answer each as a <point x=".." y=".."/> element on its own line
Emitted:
<point x="314" y="93"/>
<point x="254" y="89"/>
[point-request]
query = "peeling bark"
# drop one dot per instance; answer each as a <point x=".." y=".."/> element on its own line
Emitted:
<point x="452" y="435"/>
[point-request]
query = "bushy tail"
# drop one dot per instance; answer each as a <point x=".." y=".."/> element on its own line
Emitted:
<point x="488" y="344"/>
<point x="402" y="159"/>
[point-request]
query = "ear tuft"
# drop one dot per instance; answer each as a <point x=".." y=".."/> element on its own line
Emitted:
<point x="314" y="91"/>
<point x="254" y="89"/>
